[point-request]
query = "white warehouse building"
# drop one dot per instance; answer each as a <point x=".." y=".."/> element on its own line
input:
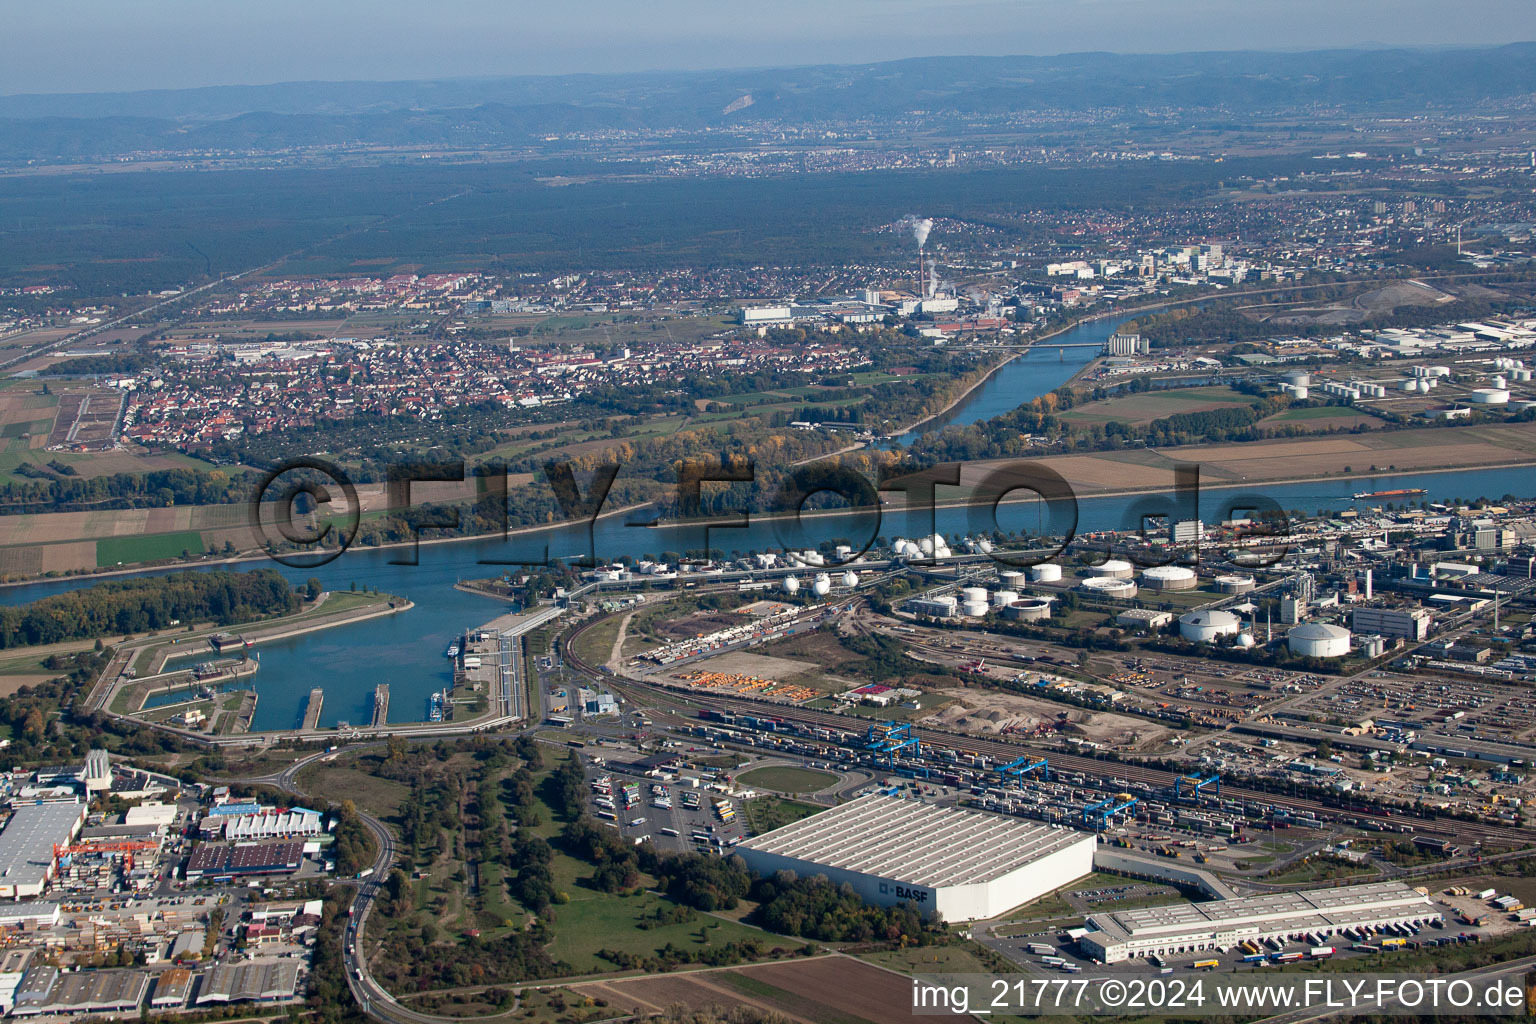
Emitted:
<point x="963" y="864"/>
<point x="1222" y="924"/>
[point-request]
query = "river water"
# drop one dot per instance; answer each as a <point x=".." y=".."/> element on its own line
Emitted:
<point x="406" y="650"/>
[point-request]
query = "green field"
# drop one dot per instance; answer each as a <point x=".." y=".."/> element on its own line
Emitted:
<point x="1146" y="406"/>
<point x="147" y="548"/>
<point x="785" y="779"/>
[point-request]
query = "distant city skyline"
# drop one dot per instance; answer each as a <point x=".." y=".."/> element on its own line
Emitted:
<point x="110" y="45"/>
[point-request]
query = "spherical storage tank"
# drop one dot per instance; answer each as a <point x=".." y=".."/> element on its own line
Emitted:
<point x="791" y="585"/>
<point x="1205" y="627"/>
<point x="1318" y="640"/>
<point x="1111" y="587"/>
<point x="821" y="585"/>
<point x="1169" y="577"/>
<point x="850" y="578"/>
<point x="1045" y="572"/>
<point x="1235" y="584"/>
<point x="1029" y="609"/>
<point x="1489" y="396"/>
<point x="1114" y="568"/>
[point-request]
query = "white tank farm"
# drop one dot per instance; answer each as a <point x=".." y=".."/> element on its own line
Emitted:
<point x="1045" y="572"/>
<point x="1318" y="640"/>
<point x="821" y="585"/>
<point x="1111" y="587"/>
<point x="1004" y="598"/>
<point x="791" y="585"/>
<point x="974" y="609"/>
<point x="1489" y="396"/>
<point x="973" y="594"/>
<point x="1204" y="627"/>
<point x="1029" y="609"/>
<point x="1114" y="568"/>
<point x="1169" y="577"/>
<point x="1235" y="584"/>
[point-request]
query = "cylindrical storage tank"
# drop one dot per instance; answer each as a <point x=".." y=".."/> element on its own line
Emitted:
<point x="1421" y="371"/>
<point x="1523" y="376"/>
<point x="974" y="594"/>
<point x="973" y="609"/>
<point x="1409" y="385"/>
<point x="1114" y="568"/>
<point x="1439" y="371"/>
<point x="1489" y="396"/>
<point x="791" y="585"/>
<point x="1522" y="406"/>
<point x="1004" y="598"/>
<point x="1298" y="379"/>
<point x="1012" y="579"/>
<point x="812" y="557"/>
<point x="1045" y="572"/>
<point x="822" y="585"/>
<point x="1498" y="382"/>
<point x="1318" y="640"/>
<point x="1111" y="587"/>
<point x="1204" y="627"/>
<point x="1029" y="609"/>
<point x="1169" y="577"/>
<point x="1235" y="584"/>
<point x="1300" y="391"/>
<point x="850" y="578"/>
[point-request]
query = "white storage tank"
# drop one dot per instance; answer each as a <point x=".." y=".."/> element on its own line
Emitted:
<point x="1029" y="609"/>
<point x="791" y="585"/>
<point x="1498" y="382"/>
<point x="850" y="579"/>
<point x="1004" y="598"/>
<point x="822" y="585"/>
<point x="1318" y="640"/>
<point x="973" y="609"/>
<point x="1114" y="568"/>
<point x="974" y="594"/>
<point x="1045" y="572"/>
<point x="1235" y="584"/>
<point x="1300" y="391"/>
<point x="1489" y="396"/>
<point x="1169" y="577"/>
<point x="1111" y="587"/>
<point x="1206" y="626"/>
<point x="1439" y="371"/>
<point x="1409" y="385"/>
<point x="1297" y="378"/>
<point x="1012" y="579"/>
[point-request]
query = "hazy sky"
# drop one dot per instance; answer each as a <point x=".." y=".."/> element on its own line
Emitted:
<point x="101" y="45"/>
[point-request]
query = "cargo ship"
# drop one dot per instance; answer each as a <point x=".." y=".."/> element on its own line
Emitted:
<point x="1406" y="492"/>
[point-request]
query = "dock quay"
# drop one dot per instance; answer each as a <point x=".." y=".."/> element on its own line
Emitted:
<point x="312" y="710"/>
<point x="380" y="704"/>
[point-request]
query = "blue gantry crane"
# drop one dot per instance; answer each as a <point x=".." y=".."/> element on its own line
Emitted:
<point x="1195" y="786"/>
<point x="1100" y="813"/>
<point x="890" y="740"/>
<point x="1024" y="766"/>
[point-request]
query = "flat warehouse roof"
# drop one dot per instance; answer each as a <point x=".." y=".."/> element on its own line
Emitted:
<point x="918" y="843"/>
<point x="1340" y="907"/>
<point x="26" y="844"/>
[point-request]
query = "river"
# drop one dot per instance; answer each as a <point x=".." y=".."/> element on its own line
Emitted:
<point x="406" y="650"/>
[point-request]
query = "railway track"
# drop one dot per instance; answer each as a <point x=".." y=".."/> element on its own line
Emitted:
<point x="649" y="694"/>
